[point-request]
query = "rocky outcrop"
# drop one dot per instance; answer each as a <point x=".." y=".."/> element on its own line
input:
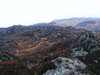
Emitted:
<point x="67" y="66"/>
<point x="86" y="47"/>
<point x="84" y="43"/>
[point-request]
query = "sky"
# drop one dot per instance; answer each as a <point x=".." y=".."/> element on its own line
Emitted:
<point x="27" y="12"/>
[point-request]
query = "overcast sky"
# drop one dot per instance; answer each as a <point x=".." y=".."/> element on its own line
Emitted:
<point x="28" y="12"/>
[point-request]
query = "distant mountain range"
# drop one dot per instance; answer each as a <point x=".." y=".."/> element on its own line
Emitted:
<point x="92" y="24"/>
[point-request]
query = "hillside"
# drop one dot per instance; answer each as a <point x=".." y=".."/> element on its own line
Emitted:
<point x="49" y="49"/>
<point x="92" y="25"/>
